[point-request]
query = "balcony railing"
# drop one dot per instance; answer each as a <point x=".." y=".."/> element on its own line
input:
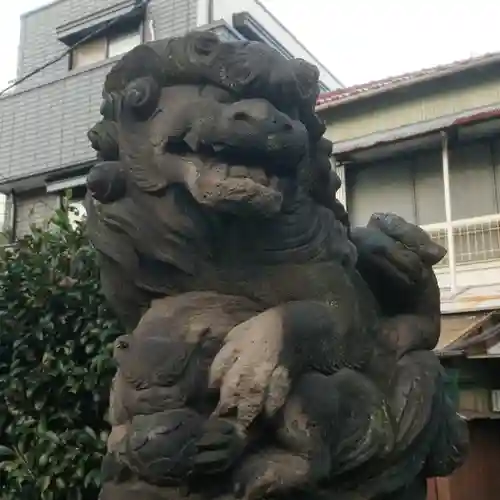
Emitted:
<point x="476" y="239"/>
<point x="471" y="280"/>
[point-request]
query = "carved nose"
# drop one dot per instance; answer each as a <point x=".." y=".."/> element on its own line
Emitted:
<point x="259" y="114"/>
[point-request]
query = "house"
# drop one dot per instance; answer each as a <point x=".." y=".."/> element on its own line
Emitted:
<point x="66" y="49"/>
<point x="426" y="145"/>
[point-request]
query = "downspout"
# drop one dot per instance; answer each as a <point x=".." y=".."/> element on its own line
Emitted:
<point x="12" y="213"/>
<point x="204" y="12"/>
<point x="210" y="11"/>
<point x="447" y="209"/>
<point x="151" y="30"/>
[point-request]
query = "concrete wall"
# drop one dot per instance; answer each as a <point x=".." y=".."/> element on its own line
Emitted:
<point x="34" y="208"/>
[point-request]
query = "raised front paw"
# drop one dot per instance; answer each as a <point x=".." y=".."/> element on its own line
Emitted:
<point x="411" y="236"/>
<point x="248" y="370"/>
<point x="220" y="446"/>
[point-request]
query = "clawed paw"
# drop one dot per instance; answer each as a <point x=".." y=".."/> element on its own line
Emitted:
<point x="220" y="445"/>
<point x="248" y="372"/>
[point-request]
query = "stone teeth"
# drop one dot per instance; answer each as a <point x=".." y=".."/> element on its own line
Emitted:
<point x="238" y="171"/>
<point x="254" y="173"/>
<point x="258" y="175"/>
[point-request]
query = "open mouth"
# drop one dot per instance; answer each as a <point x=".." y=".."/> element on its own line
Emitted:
<point x="258" y="175"/>
<point x="245" y="183"/>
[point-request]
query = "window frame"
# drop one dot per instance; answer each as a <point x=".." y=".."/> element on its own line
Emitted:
<point x="108" y="37"/>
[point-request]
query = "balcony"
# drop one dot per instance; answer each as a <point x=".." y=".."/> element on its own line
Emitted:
<point x="469" y="276"/>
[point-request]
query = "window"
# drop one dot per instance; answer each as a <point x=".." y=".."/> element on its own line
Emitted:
<point x="76" y="204"/>
<point x="89" y="53"/>
<point x="99" y="49"/>
<point x="77" y="211"/>
<point x="121" y="44"/>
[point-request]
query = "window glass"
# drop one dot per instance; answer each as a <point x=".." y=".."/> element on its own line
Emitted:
<point x="225" y="34"/>
<point x="89" y="53"/>
<point x="106" y="47"/>
<point x="121" y="44"/>
<point x="76" y="212"/>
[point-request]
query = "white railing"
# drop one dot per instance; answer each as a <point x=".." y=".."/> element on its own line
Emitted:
<point x="476" y="239"/>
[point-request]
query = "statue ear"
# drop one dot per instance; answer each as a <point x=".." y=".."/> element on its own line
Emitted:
<point x="141" y="97"/>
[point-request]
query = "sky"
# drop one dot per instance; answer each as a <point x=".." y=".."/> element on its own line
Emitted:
<point x="358" y="40"/>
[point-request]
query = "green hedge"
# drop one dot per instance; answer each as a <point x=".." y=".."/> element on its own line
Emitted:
<point x="55" y="366"/>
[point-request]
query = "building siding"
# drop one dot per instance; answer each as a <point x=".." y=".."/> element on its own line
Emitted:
<point x="45" y="127"/>
<point x="34" y="209"/>
<point x="39" y="43"/>
<point x="172" y="17"/>
<point x="413" y="105"/>
<point x="39" y="40"/>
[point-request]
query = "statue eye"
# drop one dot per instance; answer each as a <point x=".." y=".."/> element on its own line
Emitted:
<point x="141" y="97"/>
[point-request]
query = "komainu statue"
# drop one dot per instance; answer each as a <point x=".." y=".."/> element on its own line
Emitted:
<point x="269" y="349"/>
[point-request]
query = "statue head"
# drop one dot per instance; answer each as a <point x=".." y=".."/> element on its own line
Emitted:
<point x="233" y="123"/>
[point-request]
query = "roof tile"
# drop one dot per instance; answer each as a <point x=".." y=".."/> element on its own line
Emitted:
<point x="338" y="96"/>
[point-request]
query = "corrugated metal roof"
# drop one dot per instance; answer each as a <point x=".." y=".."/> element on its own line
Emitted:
<point x="347" y="94"/>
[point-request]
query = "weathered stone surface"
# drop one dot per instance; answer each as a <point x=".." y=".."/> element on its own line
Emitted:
<point x="270" y="349"/>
